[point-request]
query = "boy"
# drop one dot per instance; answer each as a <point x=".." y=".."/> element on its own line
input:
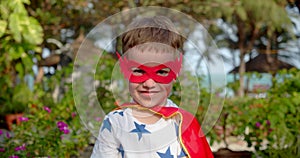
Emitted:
<point x="152" y="126"/>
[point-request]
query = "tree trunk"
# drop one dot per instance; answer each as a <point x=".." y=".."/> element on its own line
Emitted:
<point x="234" y="65"/>
<point x="268" y="52"/>
<point x="245" y="47"/>
<point x="242" y="70"/>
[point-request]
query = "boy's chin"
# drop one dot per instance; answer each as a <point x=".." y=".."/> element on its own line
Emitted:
<point x="147" y="104"/>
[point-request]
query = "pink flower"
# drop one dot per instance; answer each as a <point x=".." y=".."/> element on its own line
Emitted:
<point x="257" y="124"/>
<point x="1" y="132"/>
<point x="47" y="109"/>
<point x="66" y="131"/>
<point x="73" y="114"/>
<point x="268" y="122"/>
<point x="14" y="156"/>
<point x="7" y="135"/>
<point x="61" y="124"/>
<point x="63" y="127"/>
<point x="21" y="148"/>
<point x="23" y="119"/>
<point x="2" y="149"/>
<point x="98" y="119"/>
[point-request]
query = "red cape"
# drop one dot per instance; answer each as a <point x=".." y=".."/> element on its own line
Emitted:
<point x="192" y="138"/>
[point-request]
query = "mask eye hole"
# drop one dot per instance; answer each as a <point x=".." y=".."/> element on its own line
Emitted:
<point x="163" y="72"/>
<point x="137" y="71"/>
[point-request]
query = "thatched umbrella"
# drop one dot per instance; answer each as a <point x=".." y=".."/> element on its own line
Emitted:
<point x="262" y="64"/>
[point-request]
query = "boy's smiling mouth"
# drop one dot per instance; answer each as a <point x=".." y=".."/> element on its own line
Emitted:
<point x="148" y="92"/>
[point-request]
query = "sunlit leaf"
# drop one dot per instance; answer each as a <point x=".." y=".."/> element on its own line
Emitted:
<point x="15" y="26"/>
<point x="19" y="69"/>
<point x="18" y="6"/>
<point x="241" y="13"/>
<point x="33" y="33"/>
<point x="3" y="25"/>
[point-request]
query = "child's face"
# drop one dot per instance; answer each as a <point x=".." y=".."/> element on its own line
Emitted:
<point x="150" y="93"/>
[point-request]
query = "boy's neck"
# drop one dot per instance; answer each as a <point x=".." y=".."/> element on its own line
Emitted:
<point x="145" y="116"/>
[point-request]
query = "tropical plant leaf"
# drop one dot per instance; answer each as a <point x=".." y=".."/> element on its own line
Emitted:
<point x="3" y="25"/>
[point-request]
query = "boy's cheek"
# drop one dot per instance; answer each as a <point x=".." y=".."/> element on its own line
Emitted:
<point x="132" y="87"/>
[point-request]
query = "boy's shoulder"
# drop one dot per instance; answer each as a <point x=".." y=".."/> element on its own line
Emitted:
<point x="116" y="117"/>
<point x="116" y="112"/>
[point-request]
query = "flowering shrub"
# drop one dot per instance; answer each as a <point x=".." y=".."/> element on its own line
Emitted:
<point x="47" y="129"/>
<point x="43" y="133"/>
<point x="270" y="125"/>
<point x="63" y="127"/>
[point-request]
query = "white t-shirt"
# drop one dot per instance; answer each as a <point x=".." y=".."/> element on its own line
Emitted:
<point x="121" y="135"/>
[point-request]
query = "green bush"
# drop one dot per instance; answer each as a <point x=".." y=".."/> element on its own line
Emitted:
<point x="270" y="125"/>
<point x="48" y="128"/>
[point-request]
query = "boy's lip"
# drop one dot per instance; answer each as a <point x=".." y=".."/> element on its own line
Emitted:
<point x="148" y="92"/>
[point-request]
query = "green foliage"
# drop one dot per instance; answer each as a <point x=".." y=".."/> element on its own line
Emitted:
<point x="249" y="21"/>
<point x="283" y="109"/>
<point x="104" y="75"/>
<point x="39" y="131"/>
<point x="21" y="27"/>
<point x="19" y="34"/>
<point x="41" y="135"/>
<point x="270" y="125"/>
<point x="16" y="100"/>
<point x="274" y="14"/>
<point x="55" y="15"/>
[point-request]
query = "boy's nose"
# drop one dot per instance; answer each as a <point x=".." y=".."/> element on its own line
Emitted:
<point x="149" y="83"/>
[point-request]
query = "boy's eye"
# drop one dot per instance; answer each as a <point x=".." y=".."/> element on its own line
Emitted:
<point x="137" y="71"/>
<point x="163" y="72"/>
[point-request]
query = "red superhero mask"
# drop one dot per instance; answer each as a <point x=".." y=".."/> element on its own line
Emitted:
<point x="137" y="73"/>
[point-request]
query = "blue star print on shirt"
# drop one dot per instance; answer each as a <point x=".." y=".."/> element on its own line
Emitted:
<point x="167" y="154"/>
<point x="182" y="153"/>
<point x="106" y="125"/>
<point x="119" y="112"/>
<point x="121" y="150"/>
<point x="139" y="129"/>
